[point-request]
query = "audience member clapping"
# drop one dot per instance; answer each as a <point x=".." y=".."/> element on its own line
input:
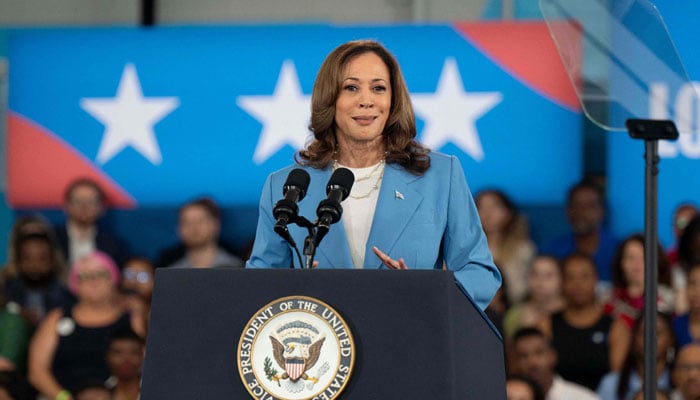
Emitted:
<point x="69" y="346"/>
<point x="580" y="332"/>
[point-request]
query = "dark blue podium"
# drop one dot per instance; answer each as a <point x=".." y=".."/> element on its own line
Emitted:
<point x="417" y="335"/>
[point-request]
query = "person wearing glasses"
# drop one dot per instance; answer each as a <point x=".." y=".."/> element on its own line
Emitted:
<point x="137" y="287"/>
<point x="69" y="346"/>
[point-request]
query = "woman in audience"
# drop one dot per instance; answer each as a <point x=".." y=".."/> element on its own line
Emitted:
<point x="69" y="346"/>
<point x="544" y="296"/>
<point x="682" y="217"/>
<point x="508" y="238"/>
<point x="137" y="287"/>
<point x="14" y="339"/>
<point x="33" y="224"/>
<point x="627" y="299"/>
<point x="624" y="384"/>
<point x="580" y="332"/>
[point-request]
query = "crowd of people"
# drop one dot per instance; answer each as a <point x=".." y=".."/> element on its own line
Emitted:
<point x="575" y="330"/>
<point x="75" y="304"/>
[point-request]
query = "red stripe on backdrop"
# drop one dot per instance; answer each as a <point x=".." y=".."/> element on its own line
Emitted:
<point x="40" y="166"/>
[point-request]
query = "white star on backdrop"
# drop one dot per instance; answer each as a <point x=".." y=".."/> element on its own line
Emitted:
<point x="129" y="118"/>
<point x="285" y="114"/>
<point x="450" y="113"/>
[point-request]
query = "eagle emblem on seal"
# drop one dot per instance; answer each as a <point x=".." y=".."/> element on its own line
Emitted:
<point x="296" y="349"/>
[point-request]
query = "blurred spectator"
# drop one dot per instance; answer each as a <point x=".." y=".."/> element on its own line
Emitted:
<point x="686" y="373"/>
<point x="660" y="395"/>
<point x="687" y="326"/>
<point x="93" y="391"/>
<point x="627" y="299"/>
<point x="682" y="217"/>
<point x="520" y="387"/>
<point x="508" y="238"/>
<point x="585" y="211"/>
<point x="535" y="358"/>
<point x="580" y="332"/>
<point x="14" y="339"/>
<point x="36" y="288"/>
<point x="689" y="243"/>
<point x="84" y="204"/>
<point x="33" y="224"/>
<point x="125" y="359"/>
<point x="137" y="287"/>
<point x="624" y="384"/>
<point x="544" y="296"/>
<point x="199" y="225"/>
<point x="69" y="346"/>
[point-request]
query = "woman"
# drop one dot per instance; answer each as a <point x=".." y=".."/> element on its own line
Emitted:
<point x="408" y="207"/>
<point x="687" y="326"/>
<point x="508" y="237"/>
<point x="543" y="296"/>
<point x="69" y="346"/>
<point x="624" y="384"/>
<point x="580" y="332"/>
<point x="627" y="299"/>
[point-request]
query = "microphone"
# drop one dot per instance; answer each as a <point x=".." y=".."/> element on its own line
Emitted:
<point x="286" y="209"/>
<point x="329" y="210"/>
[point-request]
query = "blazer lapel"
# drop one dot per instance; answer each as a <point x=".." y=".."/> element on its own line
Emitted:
<point x="395" y="207"/>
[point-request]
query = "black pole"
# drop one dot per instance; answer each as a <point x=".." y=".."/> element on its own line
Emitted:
<point x="651" y="257"/>
<point x="148" y="12"/>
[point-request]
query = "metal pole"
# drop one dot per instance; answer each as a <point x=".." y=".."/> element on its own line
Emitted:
<point x="651" y="256"/>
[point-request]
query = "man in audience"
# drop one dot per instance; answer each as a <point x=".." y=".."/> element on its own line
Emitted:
<point x="686" y="373"/>
<point x="84" y="204"/>
<point x="535" y="357"/>
<point x="585" y="211"/>
<point x="199" y="225"/>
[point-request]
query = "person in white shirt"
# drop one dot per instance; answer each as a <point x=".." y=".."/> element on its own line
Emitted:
<point x="534" y="356"/>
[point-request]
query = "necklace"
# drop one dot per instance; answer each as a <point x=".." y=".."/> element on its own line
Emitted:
<point x="379" y="167"/>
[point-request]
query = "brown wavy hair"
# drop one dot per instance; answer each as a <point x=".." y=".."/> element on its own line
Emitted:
<point x="400" y="130"/>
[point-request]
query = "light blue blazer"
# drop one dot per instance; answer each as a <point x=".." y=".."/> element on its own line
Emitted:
<point x="424" y="219"/>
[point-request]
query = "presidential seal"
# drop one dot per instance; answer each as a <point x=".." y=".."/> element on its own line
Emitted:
<point x="296" y="348"/>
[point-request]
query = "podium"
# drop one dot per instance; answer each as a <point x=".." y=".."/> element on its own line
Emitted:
<point x="416" y="334"/>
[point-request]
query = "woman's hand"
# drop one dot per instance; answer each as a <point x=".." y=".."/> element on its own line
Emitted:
<point x="391" y="264"/>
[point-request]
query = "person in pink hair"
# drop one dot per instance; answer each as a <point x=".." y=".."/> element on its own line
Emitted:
<point x="69" y="345"/>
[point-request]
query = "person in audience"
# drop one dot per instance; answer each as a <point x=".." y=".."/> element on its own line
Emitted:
<point x="686" y="373"/>
<point x="84" y="204"/>
<point x="580" y="332"/>
<point x="520" y="387"/>
<point x="508" y="238"/>
<point x="14" y="338"/>
<point x="199" y="226"/>
<point x="687" y="326"/>
<point x="93" y="391"/>
<point x="585" y="211"/>
<point x="535" y="357"/>
<point x="36" y="288"/>
<point x="623" y="384"/>
<point x="125" y="357"/>
<point x="627" y="300"/>
<point x="33" y="224"/>
<point x="682" y="217"/>
<point x="14" y="386"/>
<point x="69" y="346"/>
<point x="137" y="287"/>
<point x="544" y="296"/>
<point x="660" y="395"/>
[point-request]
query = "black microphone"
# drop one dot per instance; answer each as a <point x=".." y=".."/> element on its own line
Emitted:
<point x="286" y="210"/>
<point x="329" y="210"/>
